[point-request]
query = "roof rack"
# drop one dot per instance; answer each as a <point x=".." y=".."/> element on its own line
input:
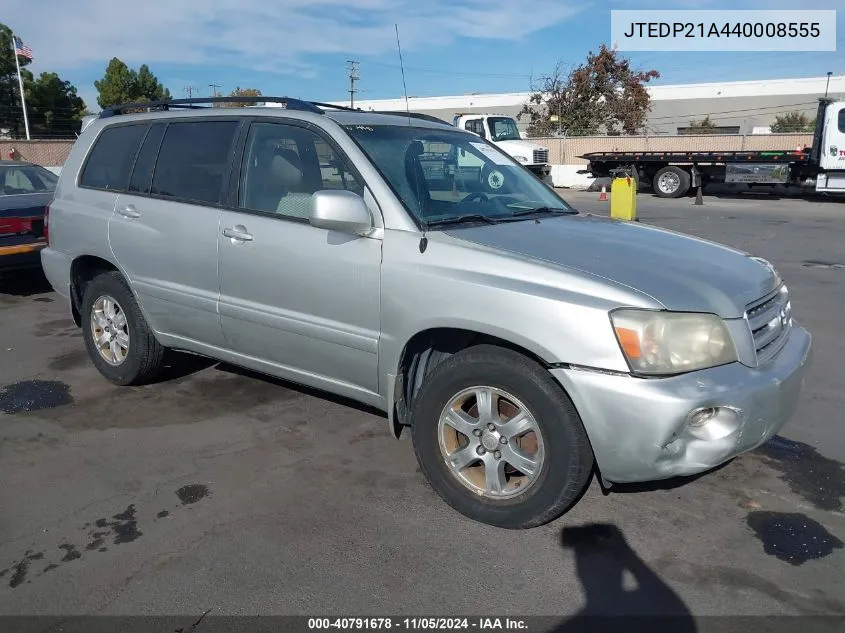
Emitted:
<point x="289" y="103"/>
<point x="334" y="106"/>
<point x="194" y="103"/>
<point x="413" y="115"/>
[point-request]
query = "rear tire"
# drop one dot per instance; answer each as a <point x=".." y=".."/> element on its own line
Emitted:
<point x="110" y="313"/>
<point x="563" y="458"/>
<point x="671" y="182"/>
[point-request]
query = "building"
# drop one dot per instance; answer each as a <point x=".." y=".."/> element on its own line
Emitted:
<point x="737" y="107"/>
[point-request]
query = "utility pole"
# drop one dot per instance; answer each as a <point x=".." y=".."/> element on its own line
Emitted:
<point x="214" y="88"/>
<point x="353" y="77"/>
<point x="189" y="90"/>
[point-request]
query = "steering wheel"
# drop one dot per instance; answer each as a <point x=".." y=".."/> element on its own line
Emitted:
<point x="478" y="195"/>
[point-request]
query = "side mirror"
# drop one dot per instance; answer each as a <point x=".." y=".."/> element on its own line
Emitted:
<point x="339" y="210"/>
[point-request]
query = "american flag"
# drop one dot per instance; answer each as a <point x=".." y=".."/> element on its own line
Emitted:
<point x="22" y="49"/>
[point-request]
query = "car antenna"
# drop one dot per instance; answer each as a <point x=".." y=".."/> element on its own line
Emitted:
<point x="423" y="239"/>
<point x="402" y="68"/>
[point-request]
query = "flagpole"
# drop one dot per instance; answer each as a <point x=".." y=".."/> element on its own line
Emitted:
<point x="20" y="83"/>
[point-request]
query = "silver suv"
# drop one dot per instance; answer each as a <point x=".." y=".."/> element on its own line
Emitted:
<point x="523" y="343"/>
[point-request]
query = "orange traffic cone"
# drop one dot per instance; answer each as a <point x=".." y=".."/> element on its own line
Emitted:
<point x="603" y="194"/>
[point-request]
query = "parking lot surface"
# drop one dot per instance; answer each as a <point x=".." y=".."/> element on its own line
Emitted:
<point x="220" y="489"/>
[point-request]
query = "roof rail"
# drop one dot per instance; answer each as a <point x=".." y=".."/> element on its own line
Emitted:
<point x="413" y="115"/>
<point x="194" y="103"/>
<point x="334" y="106"/>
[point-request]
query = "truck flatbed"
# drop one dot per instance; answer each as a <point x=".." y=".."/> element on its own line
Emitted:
<point x="780" y="156"/>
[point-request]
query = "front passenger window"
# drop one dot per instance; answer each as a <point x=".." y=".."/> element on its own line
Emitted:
<point x="285" y="165"/>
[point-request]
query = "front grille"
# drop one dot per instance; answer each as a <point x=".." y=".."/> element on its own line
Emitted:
<point x="770" y="320"/>
<point x="541" y="156"/>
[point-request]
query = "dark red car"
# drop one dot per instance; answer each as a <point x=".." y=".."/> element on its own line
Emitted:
<point x="25" y="192"/>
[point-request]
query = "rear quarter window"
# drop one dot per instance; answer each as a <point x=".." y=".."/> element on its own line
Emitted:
<point x="110" y="160"/>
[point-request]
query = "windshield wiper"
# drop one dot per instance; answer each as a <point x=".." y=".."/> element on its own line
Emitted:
<point x="463" y="219"/>
<point x="544" y="210"/>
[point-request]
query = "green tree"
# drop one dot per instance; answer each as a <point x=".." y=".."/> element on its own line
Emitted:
<point x="604" y="95"/>
<point x="53" y="107"/>
<point x="55" y="110"/>
<point x="11" y="114"/>
<point x="122" y="84"/>
<point x="705" y="126"/>
<point x="794" y="122"/>
<point x="241" y="92"/>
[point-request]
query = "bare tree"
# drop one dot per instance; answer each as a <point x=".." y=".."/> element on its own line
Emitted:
<point x="603" y="95"/>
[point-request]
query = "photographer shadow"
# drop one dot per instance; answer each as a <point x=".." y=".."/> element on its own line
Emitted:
<point x="622" y="592"/>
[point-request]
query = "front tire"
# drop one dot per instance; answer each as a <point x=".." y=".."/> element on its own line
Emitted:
<point x="118" y="340"/>
<point x="499" y="440"/>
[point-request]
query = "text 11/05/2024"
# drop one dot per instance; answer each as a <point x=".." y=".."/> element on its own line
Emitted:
<point x="741" y="30"/>
<point x="418" y="624"/>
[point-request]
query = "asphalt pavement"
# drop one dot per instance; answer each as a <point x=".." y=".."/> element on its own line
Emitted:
<point x="220" y="489"/>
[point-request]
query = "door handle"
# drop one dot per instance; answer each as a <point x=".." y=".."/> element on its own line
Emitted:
<point x="129" y="211"/>
<point x="238" y="233"/>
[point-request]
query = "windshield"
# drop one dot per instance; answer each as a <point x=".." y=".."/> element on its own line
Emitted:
<point x="19" y="179"/>
<point x="503" y="129"/>
<point x="441" y="175"/>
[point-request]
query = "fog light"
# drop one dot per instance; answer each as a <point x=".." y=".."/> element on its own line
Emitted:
<point x="700" y="417"/>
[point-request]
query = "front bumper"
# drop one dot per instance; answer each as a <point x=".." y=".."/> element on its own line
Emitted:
<point x="639" y="427"/>
<point x="540" y="170"/>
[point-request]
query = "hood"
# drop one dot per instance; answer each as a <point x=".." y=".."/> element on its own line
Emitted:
<point x="518" y="147"/>
<point x="681" y="272"/>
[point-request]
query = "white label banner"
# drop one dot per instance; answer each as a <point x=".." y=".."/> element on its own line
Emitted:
<point x="724" y="30"/>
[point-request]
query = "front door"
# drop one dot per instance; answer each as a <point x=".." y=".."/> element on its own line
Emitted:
<point x="303" y="299"/>
<point x="164" y="228"/>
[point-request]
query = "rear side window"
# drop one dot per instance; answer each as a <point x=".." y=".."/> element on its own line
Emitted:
<point x="111" y="158"/>
<point x="142" y="174"/>
<point x="193" y="159"/>
<point x="842" y="120"/>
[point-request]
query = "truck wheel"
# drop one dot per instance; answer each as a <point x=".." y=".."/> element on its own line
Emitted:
<point x="499" y="440"/>
<point x="492" y="180"/>
<point x="671" y="182"/>
<point x="117" y="337"/>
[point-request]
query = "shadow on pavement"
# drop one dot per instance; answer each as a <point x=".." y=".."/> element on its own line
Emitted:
<point x="622" y="592"/>
<point x="24" y="283"/>
<point x="303" y="389"/>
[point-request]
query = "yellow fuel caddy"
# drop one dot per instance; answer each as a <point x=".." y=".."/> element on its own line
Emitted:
<point x="623" y="198"/>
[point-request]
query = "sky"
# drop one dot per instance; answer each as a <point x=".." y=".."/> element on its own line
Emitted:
<point x="300" y="48"/>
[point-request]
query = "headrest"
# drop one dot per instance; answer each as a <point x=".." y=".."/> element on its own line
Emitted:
<point x="286" y="168"/>
<point x="415" y="149"/>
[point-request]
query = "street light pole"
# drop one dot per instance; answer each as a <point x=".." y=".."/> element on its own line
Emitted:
<point x="829" y="73"/>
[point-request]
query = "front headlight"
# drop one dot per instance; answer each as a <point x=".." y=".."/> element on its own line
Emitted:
<point x="521" y="159"/>
<point x="660" y="343"/>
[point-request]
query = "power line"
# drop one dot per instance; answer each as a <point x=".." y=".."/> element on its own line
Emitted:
<point x="450" y="72"/>
<point x="353" y="77"/>
<point x="214" y="88"/>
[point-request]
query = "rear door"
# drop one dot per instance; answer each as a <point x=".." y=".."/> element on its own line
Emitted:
<point x="164" y="228"/>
